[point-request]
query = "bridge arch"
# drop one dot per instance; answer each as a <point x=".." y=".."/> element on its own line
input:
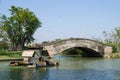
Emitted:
<point x="98" y="48"/>
<point x="86" y="52"/>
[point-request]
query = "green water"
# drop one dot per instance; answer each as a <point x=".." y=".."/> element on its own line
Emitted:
<point x="70" y="68"/>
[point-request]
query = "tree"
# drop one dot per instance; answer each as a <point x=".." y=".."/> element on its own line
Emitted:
<point x="19" y="28"/>
<point x="113" y="38"/>
<point x="117" y="38"/>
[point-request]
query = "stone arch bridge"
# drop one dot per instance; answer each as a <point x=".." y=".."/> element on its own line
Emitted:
<point x="87" y="45"/>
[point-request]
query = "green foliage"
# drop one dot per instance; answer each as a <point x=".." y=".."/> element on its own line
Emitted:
<point x="73" y="51"/>
<point x="114" y="47"/>
<point x="117" y="38"/>
<point x="7" y="54"/>
<point x="19" y="27"/>
<point x="45" y="42"/>
<point x="113" y="39"/>
<point x="3" y="45"/>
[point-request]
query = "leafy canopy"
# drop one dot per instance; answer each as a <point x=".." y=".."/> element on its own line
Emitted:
<point x="20" y="26"/>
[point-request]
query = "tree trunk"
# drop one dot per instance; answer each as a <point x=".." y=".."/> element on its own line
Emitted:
<point x="17" y="47"/>
<point x="12" y="47"/>
<point x="20" y="46"/>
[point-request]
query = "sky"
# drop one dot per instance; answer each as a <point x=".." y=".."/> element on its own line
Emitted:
<point x="62" y="19"/>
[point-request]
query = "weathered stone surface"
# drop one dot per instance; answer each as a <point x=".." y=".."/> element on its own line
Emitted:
<point x="99" y="48"/>
<point x="107" y="51"/>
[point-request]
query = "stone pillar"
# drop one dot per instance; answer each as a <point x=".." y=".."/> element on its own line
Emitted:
<point x="107" y="51"/>
<point x="50" y="50"/>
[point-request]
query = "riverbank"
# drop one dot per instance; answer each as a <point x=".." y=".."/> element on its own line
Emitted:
<point x="16" y="55"/>
<point x="10" y="56"/>
<point x="115" y="55"/>
<point x="11" y="59"/>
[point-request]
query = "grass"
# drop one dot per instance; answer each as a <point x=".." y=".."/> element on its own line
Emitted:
<point x="5" y="57"/>
<point x="7" y="54"/>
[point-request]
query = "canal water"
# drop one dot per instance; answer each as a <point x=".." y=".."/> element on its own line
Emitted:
<point x="70" y="68"/>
